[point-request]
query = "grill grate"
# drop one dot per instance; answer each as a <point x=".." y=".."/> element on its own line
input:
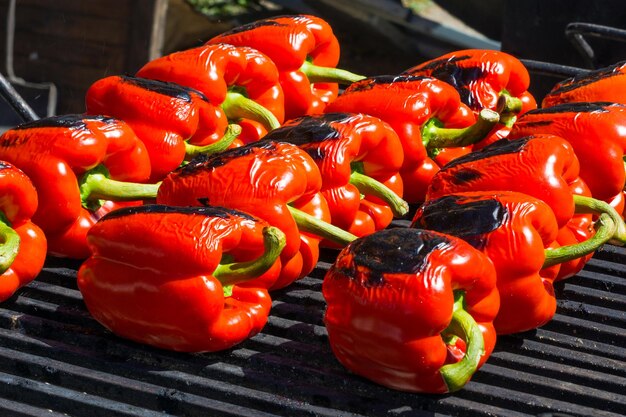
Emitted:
<point x="54" y="356"/>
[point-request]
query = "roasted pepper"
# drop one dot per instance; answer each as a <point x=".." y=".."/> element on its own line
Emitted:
<point x="518" y="233"/>
<point x="359" y="157"/>
<point x="23" y="247"/>
<point x="241" y="80"/>
<point x="597" y="133"/>
<point x="163" y="115"/>
<point x="541" y="166"/>
<point x="195" y="304"/>
<point x="306" y="53"/>
<point x="277" y="182"/>
<point x="56" y="152"/>
<point x="604" y="84"/>
<point x="400" y="300"/>
<point x="427" y="114"/>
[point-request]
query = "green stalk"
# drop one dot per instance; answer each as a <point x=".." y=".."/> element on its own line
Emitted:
<point x="317" y="74"/>
<point x="231" y="273"/>
<point x="238" y="106"/>
<point x="9" y="244"/>
<point x="232" y="131"/>
<point x="369" y="186"/>
<point x="507" y="104"/>
<point x="96" y="185"/>
<point x="592" y="205"/>
<point x="313" y="225"/>
<point x="434" y="136"/>
<point x="464" y="326"/>
<point x="562" y="254"/>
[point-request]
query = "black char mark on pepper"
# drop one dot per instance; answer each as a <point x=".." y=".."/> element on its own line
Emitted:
<point x="501" y="147"/>
<point x="251" y="26"/>
<point x="470" y="219"/>
<point x="394" y="251"/>
<point x="220" y="212"/>
<point x="68" y="121"/>
<point x="371" y="82"/>
<point x="587" y="78"/>
<point x="204" y="162"/>
<point x="597" y="106"/>
<point x="165" y="88"/>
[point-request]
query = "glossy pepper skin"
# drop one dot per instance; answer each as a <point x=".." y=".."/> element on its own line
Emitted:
<point x="604" y="84"/>
<point x="17" y="206"/>
<point x="262" y="179"/>
<point x="390" y="299"/>
<point x="513" y="230"/>
<point x="221" y="71"/>
<point x="131" y="285"/>
<point x="54" y="153"/>
<point x="290" y="41"/>
<point x="597" y="133"/>
<point x="542" y="166"/>
<point x="163" y="115"/>
<point x="340" y="144"/>
<point x="408" y="103"/>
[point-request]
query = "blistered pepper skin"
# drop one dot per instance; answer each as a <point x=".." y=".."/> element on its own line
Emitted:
<point x="390" y="296"/>
<point x="513" y="230"/>
<point x="132" y="287"/>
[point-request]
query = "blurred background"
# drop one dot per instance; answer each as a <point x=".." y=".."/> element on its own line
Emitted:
<point x="51" y="51"/>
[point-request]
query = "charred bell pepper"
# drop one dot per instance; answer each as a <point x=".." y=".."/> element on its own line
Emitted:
<point x="400" y="300"/>
<point x="242" y="80"/>
<point x="164" y="116"/>
<point x="542" y="166"/>
<point x="596" y="131"/>
<point x="23" y="247"/>
<point x="518" y="233"/>
<point x="359" y="157"/>
<point x="195" y="304"/>
<point x="58" y="152"/>
<point x="426" y="113"/>
<point x="277" y="182"/>
<point x="306" y="53"/>
<point x="604" y="84"/>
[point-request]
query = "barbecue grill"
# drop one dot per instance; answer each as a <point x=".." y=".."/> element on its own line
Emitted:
<point x="56" y="360"/>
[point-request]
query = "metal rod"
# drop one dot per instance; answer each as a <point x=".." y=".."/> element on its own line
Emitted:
<point x="556" y="70"/>
<point x="17" y="102"/>
<point x="576" y="32"/>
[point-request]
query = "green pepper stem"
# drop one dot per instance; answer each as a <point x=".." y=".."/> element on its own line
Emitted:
<point x="232" y="131"/>
<point x="562" y="254"/>
<point x="369" y="186"/>
<point x="238" y="106"/>
<point x="317" y="74"/>
<point x="507" y="104"/>
<point x="96" y="185"/>
<point x="457" y="374"/>
<point x="592" y="205"/>
<point x="233" y="273"/>
<point x="9" y="244"/>
<point x="313" y="225"/>
<point x="434" y="136"/>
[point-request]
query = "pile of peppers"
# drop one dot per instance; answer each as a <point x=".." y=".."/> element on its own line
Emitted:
<point x="195" y="188"/>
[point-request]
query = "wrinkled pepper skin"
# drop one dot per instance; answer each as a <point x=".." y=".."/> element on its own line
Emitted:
<point x="289" y="41"/>
<point x="261" y="178"/>
<point x="480" y="76"/>
<point x="513" y="230"/>
<point x="604" y="84"/>
<point x="17" y="205"/>
<point x="132" y="286"/>
<point x="54" y="152"/>
<point x="596" y="131"/>
<point x="163" y="115"/>
<point x="542" y="166"/>
<point x="407" y="103"/>
<point x="338" y="142"/>
<point x="390" y="298"/>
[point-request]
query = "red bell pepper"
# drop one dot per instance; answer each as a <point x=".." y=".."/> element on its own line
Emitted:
<point x="305" y="51"/>
<point x="400" y="301"/>
<point x="23" y="247"/>
<point x="359" y="157"/>
<point x="163" y="115"/>
<point x="427" y="114"/>
<point x="55" y="152"/>
<point x="603" y="84"/>
<point x="195" y="304"/>
<point x="241" y="80"/>
<point x="277" y="182"/>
